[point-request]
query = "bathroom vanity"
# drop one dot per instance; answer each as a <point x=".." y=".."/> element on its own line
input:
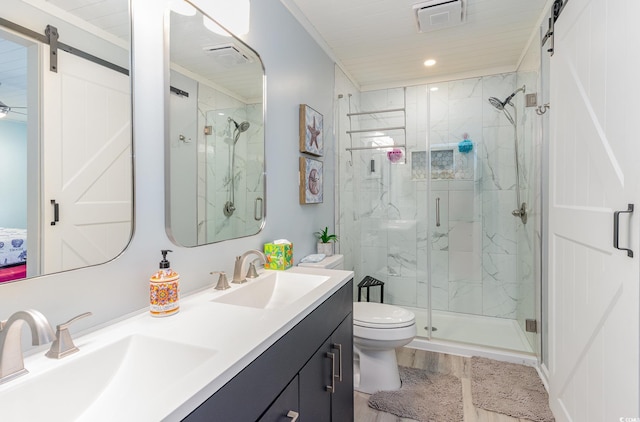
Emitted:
<point x="308" y="371"/>
<point x="280" y="344"/>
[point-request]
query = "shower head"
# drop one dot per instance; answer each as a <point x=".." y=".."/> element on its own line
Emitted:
<point x="496" y="103"/>
<point x="500" y="104"/>
<point x="242" y="127"/>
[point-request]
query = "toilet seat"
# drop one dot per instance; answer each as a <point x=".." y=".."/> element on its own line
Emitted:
<point x="381" y="316"/>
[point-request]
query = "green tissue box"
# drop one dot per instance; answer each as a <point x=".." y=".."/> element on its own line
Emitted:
<point x="279" y="256"/>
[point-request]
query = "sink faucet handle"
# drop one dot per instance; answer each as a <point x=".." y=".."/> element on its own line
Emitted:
<point x="63" y="343"/>
<point x="252" y="273"/>
<point x="223" y="283"/>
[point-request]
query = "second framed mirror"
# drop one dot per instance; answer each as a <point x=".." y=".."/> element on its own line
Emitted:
<point x="215" y="145"/>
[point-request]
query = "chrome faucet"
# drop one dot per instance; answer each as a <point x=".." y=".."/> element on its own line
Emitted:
<point x="240" y="260"/>
<point x="11" y="359"/>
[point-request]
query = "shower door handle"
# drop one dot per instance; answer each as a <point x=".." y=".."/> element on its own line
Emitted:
<point x="437" y="212"/>
<point x="616" y="229"/>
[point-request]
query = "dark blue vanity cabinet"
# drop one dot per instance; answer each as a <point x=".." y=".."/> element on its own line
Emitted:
<point x="308" y="372"/>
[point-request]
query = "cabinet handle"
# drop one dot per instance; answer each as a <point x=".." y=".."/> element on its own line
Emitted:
<point x="339" y="347"/>
<point x="332" y="388"/>
<point x="293" y="415"/>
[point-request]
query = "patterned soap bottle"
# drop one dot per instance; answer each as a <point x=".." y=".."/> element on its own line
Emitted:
<point x="164" y="289"/>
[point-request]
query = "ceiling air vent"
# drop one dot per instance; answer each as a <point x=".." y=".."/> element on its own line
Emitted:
<point x="439" y="14"/>
<point x="227" y="55"/>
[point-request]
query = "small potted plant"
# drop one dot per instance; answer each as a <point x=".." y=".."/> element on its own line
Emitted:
<point x="325" y="241"/>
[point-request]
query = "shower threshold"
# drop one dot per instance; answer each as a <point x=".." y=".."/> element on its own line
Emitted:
<point x="469" y="331"/>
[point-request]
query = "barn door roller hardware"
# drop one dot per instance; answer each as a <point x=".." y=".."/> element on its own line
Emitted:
<point x="557" y="8"/>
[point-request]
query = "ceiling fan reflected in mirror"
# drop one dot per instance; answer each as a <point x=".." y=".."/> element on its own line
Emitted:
<point x="5" y="109"/>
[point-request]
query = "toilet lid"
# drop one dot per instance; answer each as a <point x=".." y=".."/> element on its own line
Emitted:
<point x="380" y="315"/>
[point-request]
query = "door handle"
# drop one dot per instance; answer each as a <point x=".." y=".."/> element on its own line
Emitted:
<point x="437" y="212"/>
<point x="332" y="388"/>
<point x="616" y="229"/>
<point x="56" y="212"/>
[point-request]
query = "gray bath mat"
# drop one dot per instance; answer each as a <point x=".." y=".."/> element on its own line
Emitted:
<point x="510" y="389"/>
<point x="424" y="396"/>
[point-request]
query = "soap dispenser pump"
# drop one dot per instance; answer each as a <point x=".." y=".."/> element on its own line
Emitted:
<point x="164" y="289"/>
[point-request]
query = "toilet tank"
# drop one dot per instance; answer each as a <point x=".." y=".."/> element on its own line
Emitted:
<point x="333" y="262"/>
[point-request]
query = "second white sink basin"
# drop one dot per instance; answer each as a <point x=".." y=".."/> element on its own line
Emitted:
<point x="273" y="290"/>
<point x="116" y="382"/>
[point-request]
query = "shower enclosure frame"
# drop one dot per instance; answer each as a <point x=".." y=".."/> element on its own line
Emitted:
<point x="351" y="246"/>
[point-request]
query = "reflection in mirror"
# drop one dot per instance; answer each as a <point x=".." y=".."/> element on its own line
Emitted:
<point x="65" y="135"/>
<point x="215" y="149"/>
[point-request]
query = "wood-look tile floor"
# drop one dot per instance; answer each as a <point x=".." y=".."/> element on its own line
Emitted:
<point x="433" y="362"/>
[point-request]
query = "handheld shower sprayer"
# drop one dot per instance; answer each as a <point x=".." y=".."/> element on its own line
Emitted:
<point x="229" y="206"/>
<point x="242" y="127"/>
<point x="500" y="104"/>
<point x="521" y="207"/>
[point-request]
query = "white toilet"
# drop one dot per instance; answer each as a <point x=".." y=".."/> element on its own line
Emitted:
<point x="378" y="329"/>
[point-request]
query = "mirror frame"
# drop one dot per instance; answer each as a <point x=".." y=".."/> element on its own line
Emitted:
<point x="167" y="141"/>
<point x="14" y="25"/>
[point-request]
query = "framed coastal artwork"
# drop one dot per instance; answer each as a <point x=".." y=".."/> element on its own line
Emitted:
<point x="310" y="131"/>
<point x="310" y="181"/>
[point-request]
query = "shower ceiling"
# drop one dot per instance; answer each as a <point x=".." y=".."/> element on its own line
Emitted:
<point x="377" y="42"/>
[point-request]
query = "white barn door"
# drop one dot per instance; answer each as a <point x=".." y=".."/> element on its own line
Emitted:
<point x="87" y="163"/>
<point x="594" y="366"/>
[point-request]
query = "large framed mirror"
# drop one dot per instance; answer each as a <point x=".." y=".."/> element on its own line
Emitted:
<point x="215" y="145"/>
<point x="65" y="135"/>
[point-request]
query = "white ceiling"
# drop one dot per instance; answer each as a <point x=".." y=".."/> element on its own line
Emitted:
<point x="376" y="42"/>
<point x="378" y="45"/>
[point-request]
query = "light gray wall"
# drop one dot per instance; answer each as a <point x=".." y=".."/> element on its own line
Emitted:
<point x="298" y="71"/>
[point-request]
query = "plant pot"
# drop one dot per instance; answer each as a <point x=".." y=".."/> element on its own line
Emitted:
<point x="325" y="248"/>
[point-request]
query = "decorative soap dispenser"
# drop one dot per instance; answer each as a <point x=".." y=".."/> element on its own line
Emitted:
<point x="164" y="289"/>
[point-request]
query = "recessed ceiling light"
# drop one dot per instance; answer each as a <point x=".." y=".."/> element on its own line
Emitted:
<point x="433" y="88"/>
<point x="429" y="62"/>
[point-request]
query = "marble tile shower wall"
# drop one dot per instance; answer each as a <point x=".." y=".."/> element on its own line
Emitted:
<point x="385" y="216"/>
<point x="382" y="228"/>
<point x="214" y="160"/>
<point x="475" y="250"/>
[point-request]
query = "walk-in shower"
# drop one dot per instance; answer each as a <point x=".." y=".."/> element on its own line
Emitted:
<point x="521" y="207"/>
<point x="470" y="279"/>
<point x="229" y="206"/>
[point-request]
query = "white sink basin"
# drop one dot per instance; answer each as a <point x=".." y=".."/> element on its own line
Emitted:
<point x="133" y="375"/>
<point x="273" y="290"/>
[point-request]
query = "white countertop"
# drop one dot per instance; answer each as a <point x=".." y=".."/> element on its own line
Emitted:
<point x="235" y="336"/>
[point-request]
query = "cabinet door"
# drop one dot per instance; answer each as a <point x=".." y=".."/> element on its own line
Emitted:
<point x="342" y="346"/>
<point x="326" y="381"/>
<point x="315" y="384"/>
<point x="285" y="408"/>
